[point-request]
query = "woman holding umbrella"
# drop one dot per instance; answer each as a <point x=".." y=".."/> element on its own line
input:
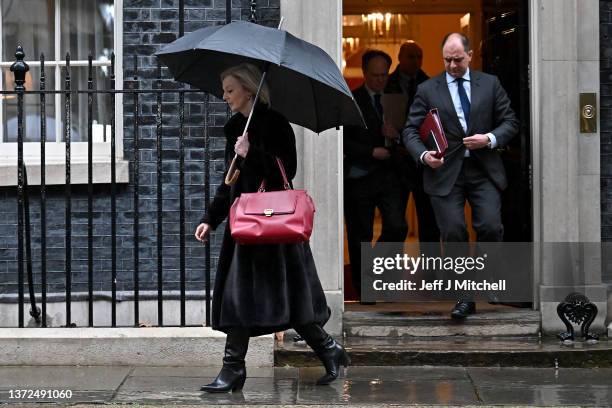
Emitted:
<point x="261" y="289"/>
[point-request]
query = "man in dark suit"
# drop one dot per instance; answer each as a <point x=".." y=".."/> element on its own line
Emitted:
<point x="408" y="74"/>
<point x="371" y="180"/>
<point x="404" y="80"/>
<point x="477" y="119"/>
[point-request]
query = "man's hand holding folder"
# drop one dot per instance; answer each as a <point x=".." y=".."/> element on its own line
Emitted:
<point x="431" y="160"/>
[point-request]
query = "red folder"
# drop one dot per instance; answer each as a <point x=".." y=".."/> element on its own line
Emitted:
<point x="432" y="133"/>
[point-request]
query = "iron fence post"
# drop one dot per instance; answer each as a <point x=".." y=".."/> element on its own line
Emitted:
<point x="68" y="191"/>
<point x="19" y="69"/>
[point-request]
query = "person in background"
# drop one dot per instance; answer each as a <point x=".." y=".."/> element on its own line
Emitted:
<point x="405" y="80"/>
<point x="371" y="179"/>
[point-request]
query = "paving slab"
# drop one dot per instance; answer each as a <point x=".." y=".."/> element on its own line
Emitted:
<point x="349" y="391"/>
<point x="539" y="386"/>
<point x="73" y="378"/>
<point x="519" y="376"/>
<point x="162" y="383"/>
<point x="207" y="372"/>
<point x="256" y="391"/>
<point x="395" y="373"/>
<point x="547" y="395"/>
<point x="357" y="386"/>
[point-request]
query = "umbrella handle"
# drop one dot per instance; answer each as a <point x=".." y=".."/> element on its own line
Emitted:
<point x="232" y="173"/>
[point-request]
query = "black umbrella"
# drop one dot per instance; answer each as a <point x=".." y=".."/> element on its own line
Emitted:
<point x="305" y="83"/>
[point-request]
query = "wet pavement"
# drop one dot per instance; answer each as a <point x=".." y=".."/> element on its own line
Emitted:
<point x="288" y="386"/>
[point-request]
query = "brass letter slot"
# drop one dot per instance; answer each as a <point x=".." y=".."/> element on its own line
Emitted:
<point x="588" y="113"/>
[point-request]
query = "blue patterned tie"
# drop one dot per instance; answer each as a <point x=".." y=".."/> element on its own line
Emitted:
<point x="465" y="102"/>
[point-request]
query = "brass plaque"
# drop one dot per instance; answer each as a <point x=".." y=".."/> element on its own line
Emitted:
<point x="588" y="113"/>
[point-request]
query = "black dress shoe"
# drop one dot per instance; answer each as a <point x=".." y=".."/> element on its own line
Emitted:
<point x="463" y="309"/>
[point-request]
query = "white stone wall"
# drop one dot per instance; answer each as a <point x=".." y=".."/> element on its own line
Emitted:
<point x="320" y="164"/>
<point x="565" y="63"/>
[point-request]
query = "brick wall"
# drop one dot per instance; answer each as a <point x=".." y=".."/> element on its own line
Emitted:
<point x="148" y="24"/>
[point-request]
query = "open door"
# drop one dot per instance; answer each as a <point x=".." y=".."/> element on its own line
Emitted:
<point x="499" y="33"/>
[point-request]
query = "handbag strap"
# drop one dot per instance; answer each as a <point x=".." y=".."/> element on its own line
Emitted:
<point x="286" y="185"/>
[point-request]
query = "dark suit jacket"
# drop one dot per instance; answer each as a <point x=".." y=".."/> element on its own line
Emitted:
<point x="394" y="84"/>
<point x="490" y="112"/>
<point x="408" y="170"/>
<point x="359" y="142"/>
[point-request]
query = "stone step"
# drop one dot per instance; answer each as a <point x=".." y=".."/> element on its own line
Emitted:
<point x="399" y="324"/>
<point x="457" y="351"/>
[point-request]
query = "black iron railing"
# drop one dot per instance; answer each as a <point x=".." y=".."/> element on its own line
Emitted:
<point x="19" y="69"/>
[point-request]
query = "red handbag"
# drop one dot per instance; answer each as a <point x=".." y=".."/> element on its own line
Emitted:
<point x="272" y="217"/>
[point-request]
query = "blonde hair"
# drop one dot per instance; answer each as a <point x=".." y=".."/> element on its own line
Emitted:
<point x="249" y="77"/>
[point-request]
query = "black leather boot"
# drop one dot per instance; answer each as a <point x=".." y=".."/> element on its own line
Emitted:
<point x="329" y="351"/>
<point x="233" y="373"/>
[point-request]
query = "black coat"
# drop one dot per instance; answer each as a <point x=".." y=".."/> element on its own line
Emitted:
<point x="359" y="143"/>
<point x="408" y="169"/>
<point x="266" y="288"/>
<point x="394" y="85"/>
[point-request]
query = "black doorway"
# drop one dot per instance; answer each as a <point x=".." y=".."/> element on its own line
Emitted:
<point x="499" y="30"/>
<point x="505" y="53"/>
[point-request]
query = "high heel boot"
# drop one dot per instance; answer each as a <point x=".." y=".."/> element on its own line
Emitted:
<point x="329" y="351"/>
<point x="233" y="373"/>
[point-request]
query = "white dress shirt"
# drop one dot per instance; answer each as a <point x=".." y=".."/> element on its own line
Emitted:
<point x="453" y="88"/>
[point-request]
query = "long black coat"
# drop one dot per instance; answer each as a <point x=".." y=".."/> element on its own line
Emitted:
<point x="266" y="288"/>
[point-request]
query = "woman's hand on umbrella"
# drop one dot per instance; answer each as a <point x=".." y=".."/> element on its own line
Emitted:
<point x="242" y="145"/>
<point x="202" y="232"/>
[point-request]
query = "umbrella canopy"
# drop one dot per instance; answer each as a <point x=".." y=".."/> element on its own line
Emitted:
<point x="304" y="82"/>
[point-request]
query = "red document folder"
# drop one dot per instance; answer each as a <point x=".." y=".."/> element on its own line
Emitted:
<point x="432" y="133"/>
